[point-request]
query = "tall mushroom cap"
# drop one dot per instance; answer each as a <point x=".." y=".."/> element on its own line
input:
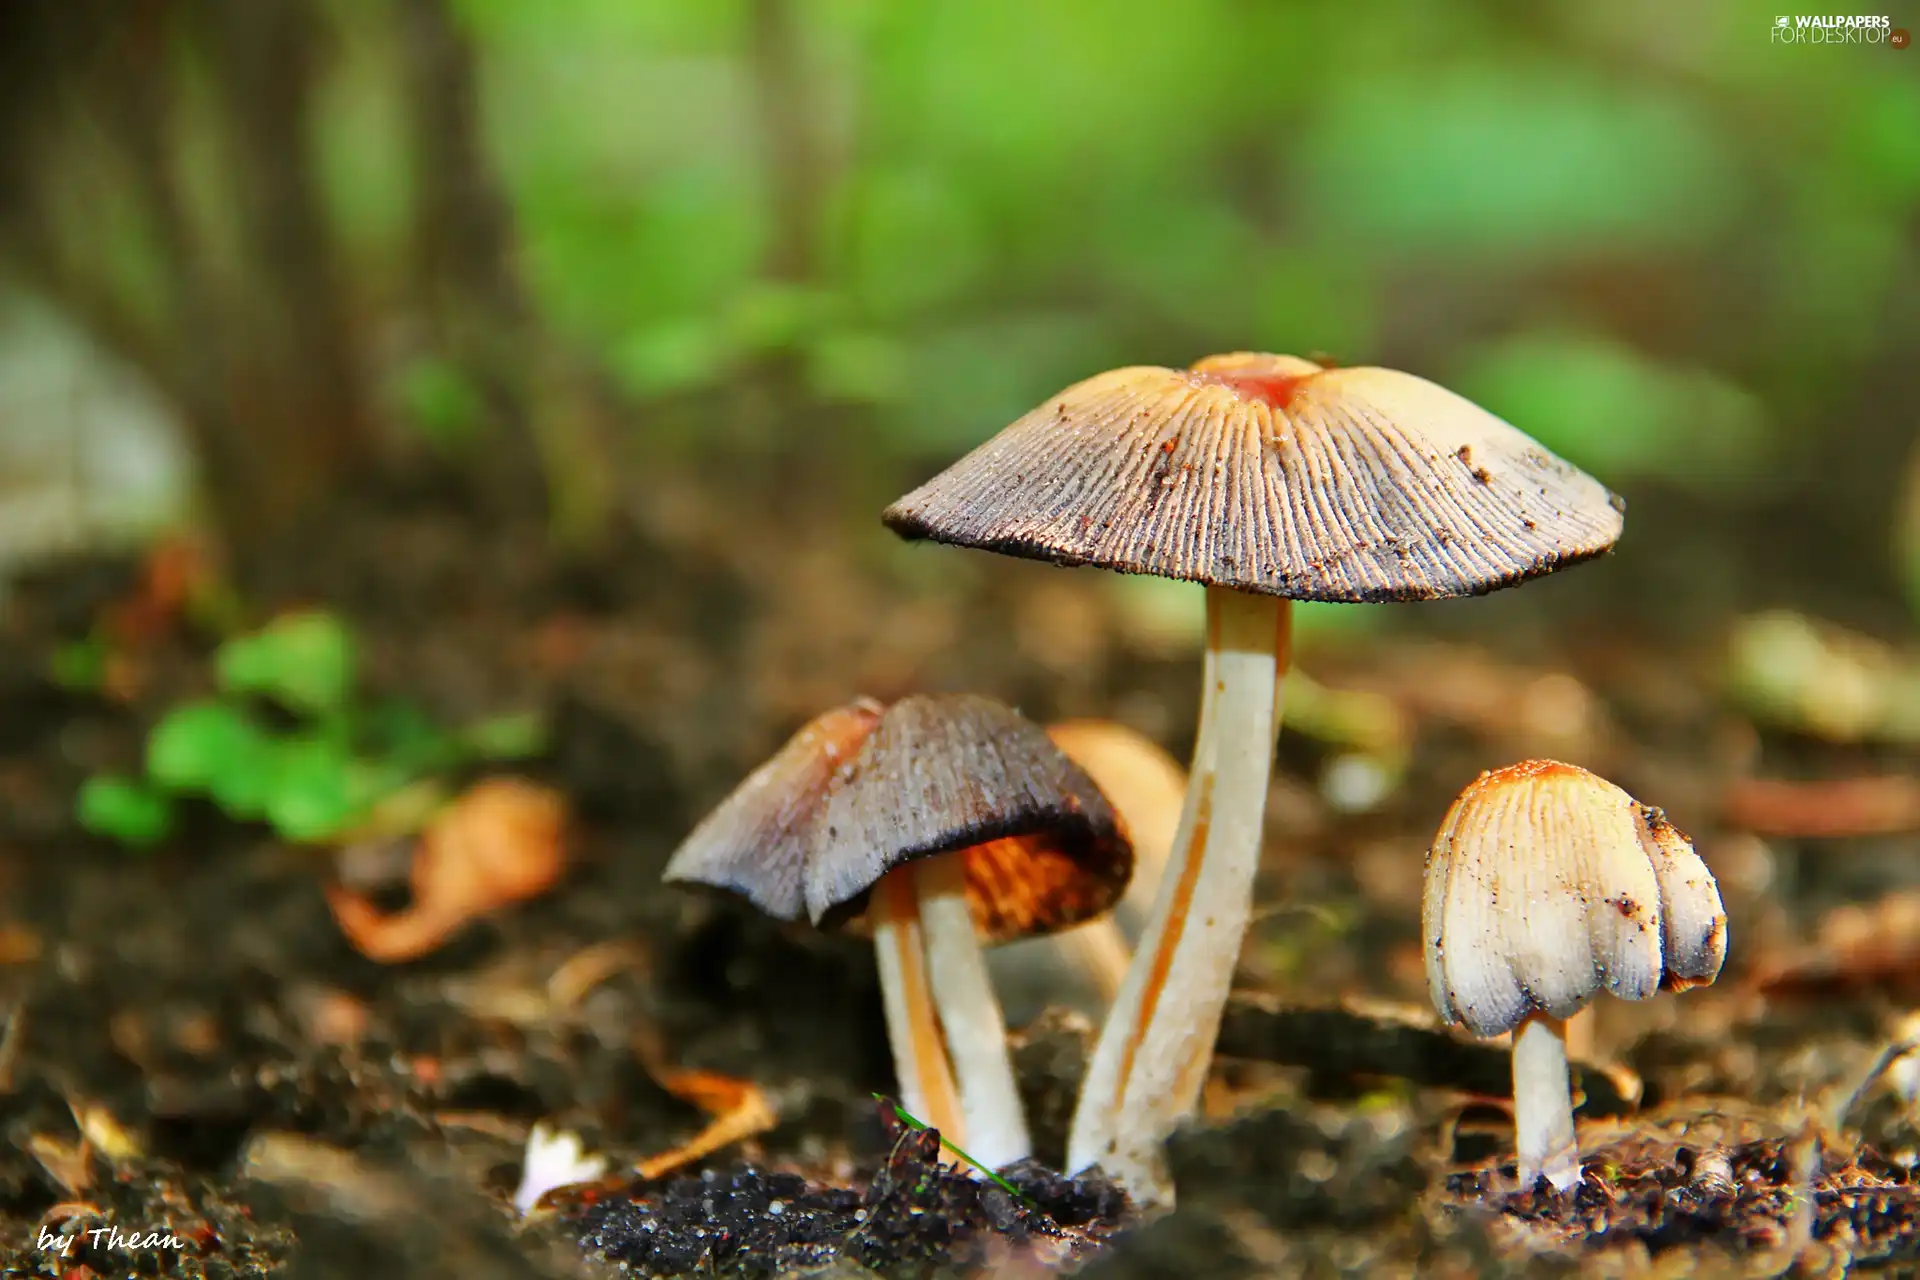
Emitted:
<point x="1273" y="475"/>
<point x="1546" y="885"/>
<point x="757" y="842"/>
<point x="945" y="773"/>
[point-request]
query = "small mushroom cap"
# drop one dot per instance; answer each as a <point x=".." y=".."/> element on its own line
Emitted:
<point x="757" y="842"/>
<point x="1043" y="850"/>
<point x="1693" y="922"/>
<point x="1271" y="474"/>
<point x="1546" y="885"/>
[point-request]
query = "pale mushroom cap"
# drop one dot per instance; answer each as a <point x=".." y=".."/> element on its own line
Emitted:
<point x="1145" y="784"/>
<point x="1546" y="885"/>
<point x="1692" y="919"/>
<point x="758" y="840"/>
<point x="1270" y="474"/>
<point x="959" y="773"/>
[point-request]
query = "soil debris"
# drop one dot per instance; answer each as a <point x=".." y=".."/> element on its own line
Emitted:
<point x="1654" y="1194"/>
<point x="918" y="1217"/>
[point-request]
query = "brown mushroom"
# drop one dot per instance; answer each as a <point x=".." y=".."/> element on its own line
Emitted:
<point x="930" y="825"/>
<point x="1266" y="478"/>
<point x="961" y="801"/>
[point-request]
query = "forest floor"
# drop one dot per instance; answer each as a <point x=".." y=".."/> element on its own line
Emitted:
<point x="188" y="1045"/>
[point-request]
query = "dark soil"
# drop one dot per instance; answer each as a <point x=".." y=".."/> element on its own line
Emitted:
<point x="280" y="1105"/>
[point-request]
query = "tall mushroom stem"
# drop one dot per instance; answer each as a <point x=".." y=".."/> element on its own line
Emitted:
<point x="913" y="1028"/>
<point x="1543" y="1105"/>
<point x="1151" y="1061"/>
<point x="976" y="1032"/>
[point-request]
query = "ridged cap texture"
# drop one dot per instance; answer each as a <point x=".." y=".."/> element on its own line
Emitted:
<point x="863" y="790"/>
<point x="1547" y="885"/>
<point x="1274" y="475"/>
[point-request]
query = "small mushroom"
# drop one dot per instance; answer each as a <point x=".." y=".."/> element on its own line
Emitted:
<point x="934" y="824"/>
<point x="1086" y="964"/>
<point x="1267" y="479"/>
<point x="1545" y="886"/>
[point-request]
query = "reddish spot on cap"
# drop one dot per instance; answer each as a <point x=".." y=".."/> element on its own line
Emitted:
<point x="1529" y="769"/>
<point x="1275" y="390"/>
<point x="1264" y="379"/>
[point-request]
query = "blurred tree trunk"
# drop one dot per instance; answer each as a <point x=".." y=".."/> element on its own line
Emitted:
<point x="266" y="376"/>
<point x="788" y="139"/>
<point x="296" y="424"/>
<point x="253" y="331"/>
<point x="479" y="313"/>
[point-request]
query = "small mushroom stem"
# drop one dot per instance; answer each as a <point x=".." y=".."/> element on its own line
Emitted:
<point x="1100" y="952"/>
<point x="976" y="1032"/>
<point x="1543" y="1105"/>
<point x="913" y="1028"/>
<point x="1151" y="1062"/>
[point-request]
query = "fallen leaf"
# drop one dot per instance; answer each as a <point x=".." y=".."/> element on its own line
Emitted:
<point x="65" y="1162"/>
<point x="106" y="1134"/>
<point x="1835" y="809"/>
<point x="740" y="1108"/>
<point x="502" y="841"/>
<point x="18" y="944"/>
<point x="590" y="966"/>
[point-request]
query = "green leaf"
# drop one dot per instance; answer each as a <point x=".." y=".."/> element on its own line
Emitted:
<point x="908" y="1119"/>
<point x="124" y="810"/>
<point x="197" y="743"/>
<point x="242" y="786"/>
<point x="405" y="736"/>
<point x="304" y="661"/>
<point x="318" y="790"/>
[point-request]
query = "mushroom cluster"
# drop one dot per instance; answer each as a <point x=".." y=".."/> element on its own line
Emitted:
<point x="939" y="823"/>
<point x="936" y="825"/>
<point x="1545" y="886"/>
<point x="1266" y="479"/>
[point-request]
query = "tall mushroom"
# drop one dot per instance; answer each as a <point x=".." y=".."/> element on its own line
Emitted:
<point x="1268" y="479"/>
<point x="852" y="823"/>
<point x="1545" y="886"/>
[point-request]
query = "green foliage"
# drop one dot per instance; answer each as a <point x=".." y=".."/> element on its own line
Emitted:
<point x="340" y="763"/>
<point x="1514" y="159"/>
<point x="303" y="661"/>
<point x="442" y="401"/>
<point x="197" y="742"/>
<point x="1656" y="240"/>
<point x="1618" y="412"/>
<point x="125" y="810"/>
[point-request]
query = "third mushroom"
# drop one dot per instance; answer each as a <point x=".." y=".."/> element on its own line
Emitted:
<point x="1545" y="886"/>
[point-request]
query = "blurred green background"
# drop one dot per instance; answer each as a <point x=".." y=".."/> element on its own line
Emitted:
<point x="750" y="242"/>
